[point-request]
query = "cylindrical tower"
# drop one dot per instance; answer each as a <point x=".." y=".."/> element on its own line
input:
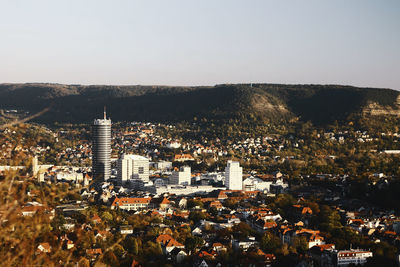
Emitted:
<point x="101" y="149"/>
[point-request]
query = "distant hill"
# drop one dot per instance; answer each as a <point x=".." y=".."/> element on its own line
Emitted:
<point x="320" y="104"/>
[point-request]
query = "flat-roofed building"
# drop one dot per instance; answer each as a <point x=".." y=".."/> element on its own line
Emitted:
<point x="233" y="176"/>
<point x="163" y="165"/>
<point x="182" y="177"/>
<point x="133" y="167"/>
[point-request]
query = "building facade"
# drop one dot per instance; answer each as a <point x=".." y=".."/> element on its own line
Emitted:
<point x="163" y="165"/>
<point x="352" y="256"/>
<point x="131" y="203"/>
<point x="133" y="167"/>
<point x="233" y="176"/>
<point x="254" y="183"/>
<point x="101" y="149"/>
<point x="181" y="177"/>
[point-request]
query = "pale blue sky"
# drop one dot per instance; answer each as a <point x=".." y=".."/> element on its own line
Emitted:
<point x="203" y="42"/>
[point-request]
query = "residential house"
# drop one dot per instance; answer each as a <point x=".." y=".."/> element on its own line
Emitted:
<point x="178" y="255"/>
<point x="93" y="253"/>
<point x="352" y="256"/>
<point x="126" y="229"/>
<point x="244" y="245"/>
<point x="183" y="157"/>
<point x="44" y="248"/>
<point x="96" y="219"/>
<point x="168" y="243"/>
<point x="312" y="237"/>
<point x="131" y="203"/>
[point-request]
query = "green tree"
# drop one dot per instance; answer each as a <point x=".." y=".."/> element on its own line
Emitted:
<point x="300" y="243"/>
<point x="131" y="245"/>
<point x="191" y="203"/>
<point x="193" y="242"/>
<point x="152" y="249"/>
<point x="230" y="203"/>
<point x="107" y="216"/>
<point x="270" y="242"/>
<point x="118" y="250"/>
<point x="83" y="262"/>
<point x="243" y="230"/>
<point x="110" y="258"/>
<point x="197" y="216"/>
<point x="213" y="211"/>
<point x="328" y="219"/>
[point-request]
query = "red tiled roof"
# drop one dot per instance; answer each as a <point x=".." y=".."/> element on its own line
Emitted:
<point x="96" y="218"/>
<point x="46" y="246"/>
<point x="165" y="201"/>
<point x="203" y="254"/>
<point x="390" y="233"/>
<point x="216" y="204"/>
<point x="168" y="241"/>
<point x="217" y="245"/>
<point x="32" y="208"/>
<point x="93" y="251"/>
<point x="130" y="200"/>
<point x="324" y="246"/>
<point x="173" y="243"/>
<point x="306" y="210"/>
<point x="270" y="225"/>
<point x="164" y="239"/>
<point x="183" y="156"/>
<point x="135" y="264"/>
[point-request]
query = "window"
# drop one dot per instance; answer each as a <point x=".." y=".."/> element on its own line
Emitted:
<point x="141" y="170"/>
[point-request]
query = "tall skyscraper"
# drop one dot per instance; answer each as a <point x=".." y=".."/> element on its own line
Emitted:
<point x="101" y="148"/>
<point x="133" y="167"/>
<point x="233" y="176"/>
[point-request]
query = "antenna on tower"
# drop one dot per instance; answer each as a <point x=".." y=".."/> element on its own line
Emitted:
<point x="105" y="115"/>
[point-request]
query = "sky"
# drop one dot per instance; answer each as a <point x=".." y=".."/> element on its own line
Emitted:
<point x="203" y="42"/>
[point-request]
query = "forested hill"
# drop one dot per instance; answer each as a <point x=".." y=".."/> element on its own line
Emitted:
<point x="320" y="104"/>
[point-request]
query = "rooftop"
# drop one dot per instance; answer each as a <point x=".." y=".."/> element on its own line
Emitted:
<point x="133" y="157"/>
<point x="102" y="122"/>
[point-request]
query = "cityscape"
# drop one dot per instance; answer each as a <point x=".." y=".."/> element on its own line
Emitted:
<point x="200" y="133"/>
<point x="148" y="198"/>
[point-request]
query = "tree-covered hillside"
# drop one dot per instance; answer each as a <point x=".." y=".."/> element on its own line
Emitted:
<point x="320" y="104"/>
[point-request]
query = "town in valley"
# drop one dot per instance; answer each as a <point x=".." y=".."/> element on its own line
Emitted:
<point x="212" y="133"/>
<point x="144" y="194"/>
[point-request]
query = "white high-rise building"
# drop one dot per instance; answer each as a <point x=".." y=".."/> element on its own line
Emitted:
<point x="133" y="167"/>
<point x="183" y="176"/>
<point x="233" y="176"/>
<point x="35" y="166"/>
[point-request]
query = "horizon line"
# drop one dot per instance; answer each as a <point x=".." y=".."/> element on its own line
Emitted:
<point x="207" y="85"/>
